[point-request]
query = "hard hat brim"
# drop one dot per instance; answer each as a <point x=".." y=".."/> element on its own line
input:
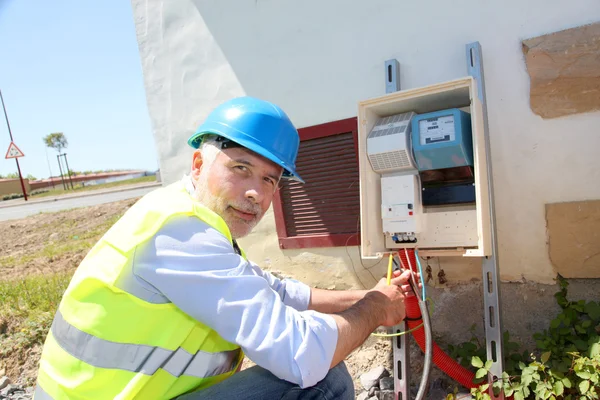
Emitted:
<point x="288" y="171"/>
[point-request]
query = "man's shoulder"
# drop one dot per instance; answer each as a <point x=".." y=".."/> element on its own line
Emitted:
<point x="194" y="232"/>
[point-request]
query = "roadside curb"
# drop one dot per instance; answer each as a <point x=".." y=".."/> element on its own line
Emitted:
<point x="83" y="194"/>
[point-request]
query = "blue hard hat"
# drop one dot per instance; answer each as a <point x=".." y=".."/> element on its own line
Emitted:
<point x="257" y="125"/>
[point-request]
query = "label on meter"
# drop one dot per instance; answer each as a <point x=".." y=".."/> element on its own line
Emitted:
<point x="435" y="130"/>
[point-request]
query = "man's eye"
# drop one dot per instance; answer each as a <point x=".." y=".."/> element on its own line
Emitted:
<point x="242" y="167"/>
<point x="270" y="181"/>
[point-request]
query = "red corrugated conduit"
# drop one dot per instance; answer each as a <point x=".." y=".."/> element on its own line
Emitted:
<point x="443" y="361"/>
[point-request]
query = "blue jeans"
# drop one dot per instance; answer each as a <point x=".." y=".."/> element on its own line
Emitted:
<point x="257" y="383"/>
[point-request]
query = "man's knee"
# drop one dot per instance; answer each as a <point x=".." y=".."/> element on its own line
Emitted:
<point x="340" y="381"/>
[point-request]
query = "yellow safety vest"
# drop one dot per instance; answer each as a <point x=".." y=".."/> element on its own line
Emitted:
<point x="110" y="342"/>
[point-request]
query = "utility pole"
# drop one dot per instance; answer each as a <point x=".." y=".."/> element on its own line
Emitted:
<point x="12" y="141"/>
<point x="68" y="169"/>
<point x="61" y="172"/>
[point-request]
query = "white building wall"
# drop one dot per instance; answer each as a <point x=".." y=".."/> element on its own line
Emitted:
<point x="317" y="59"/>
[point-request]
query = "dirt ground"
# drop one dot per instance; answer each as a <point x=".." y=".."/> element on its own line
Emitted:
<point x="57" y="242"/>
<point x="53" y="242"/>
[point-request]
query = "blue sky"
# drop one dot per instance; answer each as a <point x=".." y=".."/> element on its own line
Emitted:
<point x="73" y="67"/>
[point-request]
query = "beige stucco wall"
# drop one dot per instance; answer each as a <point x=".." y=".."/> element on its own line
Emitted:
<point x="319" y="59"/>
<point x="9" y="186"/>
<point x="337" y="267"/>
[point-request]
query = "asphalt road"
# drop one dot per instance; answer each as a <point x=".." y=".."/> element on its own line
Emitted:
<point x="22" y="211"/>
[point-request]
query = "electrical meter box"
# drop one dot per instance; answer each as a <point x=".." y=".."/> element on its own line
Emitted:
<point x="442" y="139"/>
<point x="423" y="172"/>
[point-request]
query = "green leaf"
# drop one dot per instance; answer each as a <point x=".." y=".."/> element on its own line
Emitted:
<point x="469" y="346"/>
<point x="584" y="386"/>
<point x="545" y="357"/>
<point x="564" y="331"/>
<point x="481" y="373"/>
<point x="488" y="364"/>
<point x="583" y="374"/>
<point x="484" y="387"/>
<point x="497" y="388"/>
<point x="580" y="344"/>
<point x="519" y="395"/>
<point x="476" y="362"/>
<point x="558" y="388"/>
<point x="593" y="310"/>
<point x="555" y="323"/>
<point x="526" y="391"/>
<point x="557" y="374"/>
<point x="546" y="393"/>
<point x="594" y="350"/>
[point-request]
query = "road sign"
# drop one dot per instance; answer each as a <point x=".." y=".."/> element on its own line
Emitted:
<point x="13" y="151"/>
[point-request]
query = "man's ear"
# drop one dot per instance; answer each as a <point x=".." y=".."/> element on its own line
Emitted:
<point x="196" y="164"/>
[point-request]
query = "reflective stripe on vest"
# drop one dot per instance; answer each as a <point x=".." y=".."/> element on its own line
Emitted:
<point x="137" y="357"/>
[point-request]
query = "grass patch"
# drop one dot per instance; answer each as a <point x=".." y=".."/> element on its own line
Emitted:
<point x="26" y="314"/>
<point x="38" y="293"/>
<point x="59" y="191"/>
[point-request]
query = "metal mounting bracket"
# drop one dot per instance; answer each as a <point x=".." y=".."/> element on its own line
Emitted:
<point x="401" y="353"/>
<point x="400" y="344"/>
<point x="491" y="276"/>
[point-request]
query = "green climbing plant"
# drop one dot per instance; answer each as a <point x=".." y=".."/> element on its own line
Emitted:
<point x="564" y="365"/>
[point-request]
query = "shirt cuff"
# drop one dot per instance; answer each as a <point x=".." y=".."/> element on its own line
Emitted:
<point x="314" y="365"/>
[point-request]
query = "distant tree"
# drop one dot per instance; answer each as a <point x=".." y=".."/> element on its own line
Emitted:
<point x="31" y="177"/>
<point x="57" y="141"/>
<point x="12" y="175"/>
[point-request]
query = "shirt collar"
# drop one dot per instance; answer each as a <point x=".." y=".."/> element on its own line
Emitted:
<point x="188" y="184"/>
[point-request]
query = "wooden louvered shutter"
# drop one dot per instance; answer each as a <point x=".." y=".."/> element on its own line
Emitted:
<point x="323" y="212"/>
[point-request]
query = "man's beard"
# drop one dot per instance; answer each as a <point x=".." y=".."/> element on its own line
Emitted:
<point x="237" y="226"/>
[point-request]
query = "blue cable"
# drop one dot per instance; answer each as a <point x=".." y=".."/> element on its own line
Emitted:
<point x="420" y="273"/>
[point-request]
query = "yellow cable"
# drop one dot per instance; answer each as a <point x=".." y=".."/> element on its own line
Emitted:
<point x="389" y="274"/>
<point x="389" y="281"/>
<point x="397" y="334"/>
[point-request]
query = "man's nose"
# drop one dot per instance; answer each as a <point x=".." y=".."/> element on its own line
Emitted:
<point x="255" y="194"/>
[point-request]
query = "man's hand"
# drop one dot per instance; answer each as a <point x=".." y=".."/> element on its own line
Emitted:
<point x="407" y="288"/>
<point x="382" y="305"/>
<point x="393" y="297"/>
